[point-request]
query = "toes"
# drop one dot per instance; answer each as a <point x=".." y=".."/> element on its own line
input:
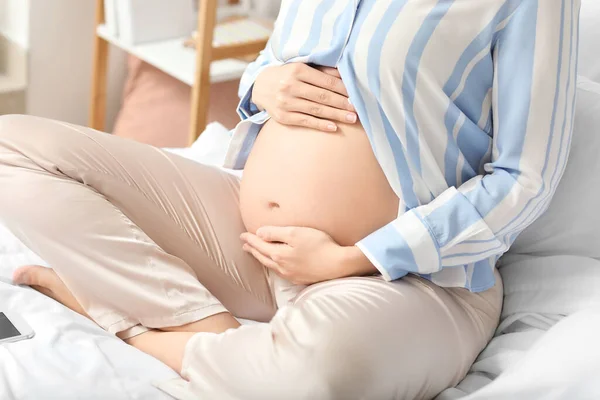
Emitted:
<point x="20" y="276"/>
<point x="34" y="275"/>
<point x="37" y="277"/>
<point x="47" y="282"/>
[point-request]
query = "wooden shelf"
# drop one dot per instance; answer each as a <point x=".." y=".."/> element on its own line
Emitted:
<point x="214" y="59"/>
<point x="171" y="57"/>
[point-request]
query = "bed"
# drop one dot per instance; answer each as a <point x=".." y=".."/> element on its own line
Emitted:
<point x="69" y="358"/>
<point x="546" y="345"/>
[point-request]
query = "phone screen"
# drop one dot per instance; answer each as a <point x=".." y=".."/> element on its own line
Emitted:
<point x="7" y="329"/>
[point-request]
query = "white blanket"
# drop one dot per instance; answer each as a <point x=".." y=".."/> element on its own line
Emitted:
<point x="532" y="357"/>
<point x="546" y="346"/>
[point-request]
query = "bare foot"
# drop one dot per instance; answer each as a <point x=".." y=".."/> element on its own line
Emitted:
<point x="46" y="281"/>
<point x="168" y="347"/>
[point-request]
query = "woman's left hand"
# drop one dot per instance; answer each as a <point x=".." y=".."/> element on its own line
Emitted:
<point x="303" y="255"/>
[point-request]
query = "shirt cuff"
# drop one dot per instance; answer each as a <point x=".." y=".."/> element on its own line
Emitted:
<point x="242" y="140"/>
<point x="403" y="246"/>
<point x="260" y="118"/>
<point x="246" y="108"/>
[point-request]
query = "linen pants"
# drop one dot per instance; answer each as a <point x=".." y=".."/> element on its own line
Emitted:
<point x="146" y="239"/>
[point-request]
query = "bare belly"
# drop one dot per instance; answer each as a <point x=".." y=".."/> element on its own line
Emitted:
<point x="327" y="181"/>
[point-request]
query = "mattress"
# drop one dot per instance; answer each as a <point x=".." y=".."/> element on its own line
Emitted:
<point x="546" y="345"/>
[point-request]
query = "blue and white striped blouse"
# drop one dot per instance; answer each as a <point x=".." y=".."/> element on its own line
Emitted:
<point x="468" y="105"/>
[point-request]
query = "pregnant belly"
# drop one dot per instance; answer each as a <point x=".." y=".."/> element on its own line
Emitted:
<point x="328" y="181"/>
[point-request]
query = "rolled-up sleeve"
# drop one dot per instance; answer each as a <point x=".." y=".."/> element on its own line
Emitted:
<point x="535" y="56"/>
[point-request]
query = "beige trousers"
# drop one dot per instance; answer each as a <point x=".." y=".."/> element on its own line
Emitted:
<point x="146" y="239"/>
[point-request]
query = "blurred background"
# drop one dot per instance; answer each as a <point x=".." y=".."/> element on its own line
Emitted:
<point x="128" y="66"/>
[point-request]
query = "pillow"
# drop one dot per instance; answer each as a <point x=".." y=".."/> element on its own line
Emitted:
<point x="589" y="30"/>
<point x="571" y="225"/>
<point x="156" y="107"/>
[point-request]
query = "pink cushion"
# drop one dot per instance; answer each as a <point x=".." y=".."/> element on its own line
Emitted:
<point x="156" y="107"/>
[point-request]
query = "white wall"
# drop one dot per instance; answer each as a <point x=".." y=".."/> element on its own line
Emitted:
<point x="14" y="19"/>
<point x="589" y="61"/>
<point x="266" y="8"/>
<point x="61" y="39"/>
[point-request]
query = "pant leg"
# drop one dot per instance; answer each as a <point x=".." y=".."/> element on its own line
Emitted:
<point x="130" y="229"/>
<point x="357" y="338"/>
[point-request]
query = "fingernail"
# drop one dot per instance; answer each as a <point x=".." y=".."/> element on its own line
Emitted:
<point x="351" y="117"/>
<point x="351" y="106"/>
<point x="245" y="247"/>
<point x="332" y="127"/>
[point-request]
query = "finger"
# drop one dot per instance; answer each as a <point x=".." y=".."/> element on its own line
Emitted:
<point x="321" y="96"/>
<point x="283" y="234"/>
<point x="305" y="120"/>
<point x="266" y="248"/>
<point x="264" y="260"/>
<point x="322" y="80"/>
<point x="321" y="111"/>
<point x="330" y="71"/>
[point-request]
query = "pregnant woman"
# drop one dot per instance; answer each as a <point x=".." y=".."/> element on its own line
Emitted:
<point x="392" y="152"/>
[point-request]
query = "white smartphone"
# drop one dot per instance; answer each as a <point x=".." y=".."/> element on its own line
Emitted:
<point x="13" y="328"/>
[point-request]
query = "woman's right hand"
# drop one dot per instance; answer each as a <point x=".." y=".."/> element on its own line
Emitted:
<point x="298" y="94"/>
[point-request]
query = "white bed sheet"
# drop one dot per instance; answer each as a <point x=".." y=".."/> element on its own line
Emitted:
<point x="536" y="350"/>
<point x="70" y="357"/>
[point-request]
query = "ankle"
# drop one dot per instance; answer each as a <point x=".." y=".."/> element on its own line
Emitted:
<point x="168" y="347"/>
